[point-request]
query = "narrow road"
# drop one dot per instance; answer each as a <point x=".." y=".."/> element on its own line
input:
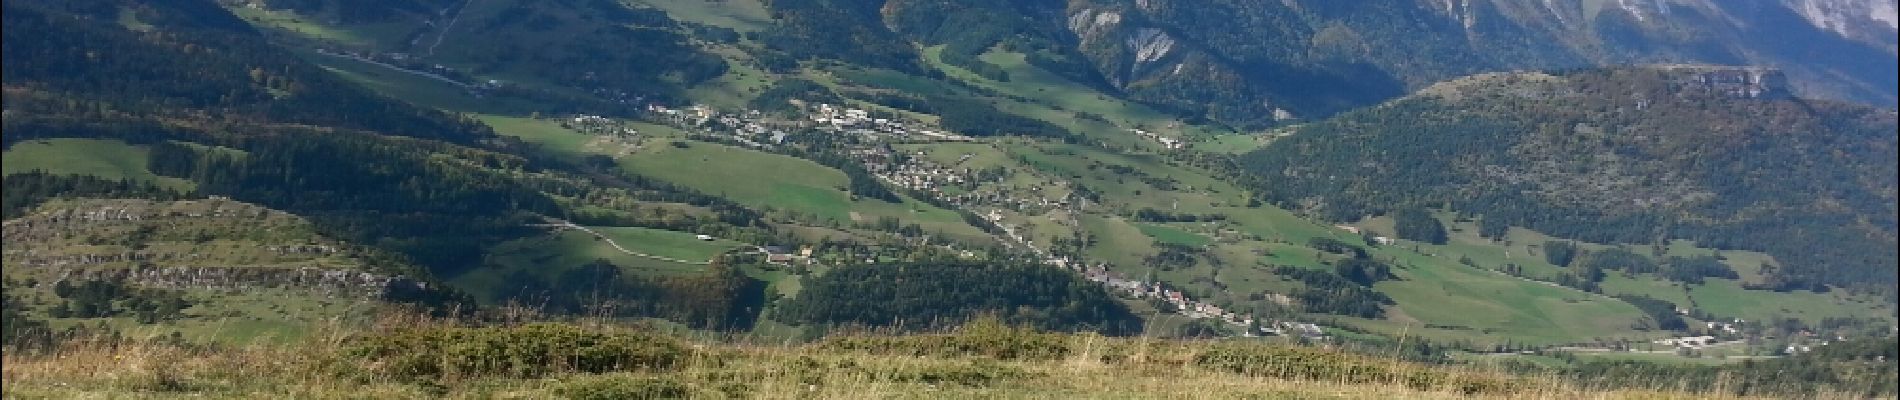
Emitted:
<point x="610" y="242"/>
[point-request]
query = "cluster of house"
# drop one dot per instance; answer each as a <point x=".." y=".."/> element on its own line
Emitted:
<point x="841" y="119"/>
<point x="753" y="128"/>
<point x="1732" y="328"/>
<point x="1692" y="342"/>
<point x="1010" y="198"/>
<point x="598" y="125"/>
<point x="918" y="175"/>
<point x="1166" y="142"/>
<point x="782" y="256"/>
<point x="917" y="172"/>
<point x="1806" y="342"/>
<point x="1099" y="273"/>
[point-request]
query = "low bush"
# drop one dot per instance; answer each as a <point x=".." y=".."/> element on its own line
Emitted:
<point x="985" y="337"/>
<point x="521" y="352"/>
<point x="622" y="388"/>
<point x="1320" y="365"/>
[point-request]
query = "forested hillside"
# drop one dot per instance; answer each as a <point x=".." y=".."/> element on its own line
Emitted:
<point x="179" y="100"/>
<point x="1634" y="155"/>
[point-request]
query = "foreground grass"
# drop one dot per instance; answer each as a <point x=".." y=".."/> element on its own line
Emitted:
<point x="411" y="359"/>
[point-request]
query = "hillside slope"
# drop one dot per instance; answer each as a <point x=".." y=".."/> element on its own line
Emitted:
<point x="167" y="101"/>
<point x="1722" y="156"/>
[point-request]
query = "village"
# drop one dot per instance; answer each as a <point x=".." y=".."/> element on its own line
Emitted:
<point x="867" y="138"/>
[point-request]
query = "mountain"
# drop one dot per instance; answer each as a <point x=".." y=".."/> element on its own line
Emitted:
<point x="1317" y="58"/>
<point x="1724" y="156"/>
<point x="1256" y="62"/>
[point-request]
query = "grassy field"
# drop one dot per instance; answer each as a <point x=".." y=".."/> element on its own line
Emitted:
<point x="747" y="176"/>
<point x="1726" y="298"/>
<point x="740" y="15"/>
<point x="1168" y="234"/>
<point x="1120" y="243"/>
<point x="1720" y="297"/>
<point x="548" y="255"/>
<point x="367" y="36"/>
<point x="670" y="244"/>
<point x="1482" y="304"/>
<point x="105" y="158"/>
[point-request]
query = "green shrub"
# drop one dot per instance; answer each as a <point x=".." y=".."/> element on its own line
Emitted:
<point x="979" y="374"/>
<point x="986" y="337"/>
<point x="524" y="352"/>
<point x="622" y="388"/>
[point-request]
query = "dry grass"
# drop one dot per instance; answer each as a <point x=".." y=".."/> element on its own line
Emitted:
<point x="1092" y="367"/>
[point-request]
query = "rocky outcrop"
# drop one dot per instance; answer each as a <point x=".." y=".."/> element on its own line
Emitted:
<point x="212" y="244"/>
<point x="328" y="282"/>
<point x="1737" y="82"/>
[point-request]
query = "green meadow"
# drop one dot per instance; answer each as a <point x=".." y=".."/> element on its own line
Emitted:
<point x="104" y="158"/>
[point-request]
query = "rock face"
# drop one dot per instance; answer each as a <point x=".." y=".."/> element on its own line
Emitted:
<point x="1737" y="82"/>
<point x="328" y="282"/>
